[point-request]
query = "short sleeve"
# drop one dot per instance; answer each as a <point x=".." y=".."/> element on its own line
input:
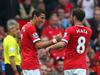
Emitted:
<point x="33" y="34"/>
<point x="11" y="48"/>
<point x="67" y="35"/>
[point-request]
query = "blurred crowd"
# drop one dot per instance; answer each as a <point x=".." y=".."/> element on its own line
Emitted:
<point x="57" y="16"/>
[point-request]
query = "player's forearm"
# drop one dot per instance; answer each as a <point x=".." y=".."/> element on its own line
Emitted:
<point x="13" y="64"/>
<point x="58" y="45"/>
<point x="44" y="44"/>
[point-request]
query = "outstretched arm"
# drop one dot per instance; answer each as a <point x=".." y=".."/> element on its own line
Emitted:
<point x="44" y="44"/>
<point x="56" y="46"/>
<point x="47" y="43"/>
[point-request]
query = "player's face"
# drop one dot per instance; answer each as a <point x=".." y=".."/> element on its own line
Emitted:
<point x="40" y="19"/>
<point x="18" y="34"/>
<point x="42" y="16"/>
<point x="15" y="31"/>
<point x="60" y="65"/>
<point x="43" y="70"/>
<point x="61" y="13"/>
<point x="54" y="20"/>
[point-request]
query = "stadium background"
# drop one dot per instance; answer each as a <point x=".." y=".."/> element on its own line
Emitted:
<point x="20" y="10"/>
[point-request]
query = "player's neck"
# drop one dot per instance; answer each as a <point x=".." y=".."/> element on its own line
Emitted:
<point x="78" y="23"/>
<point x="33" y="22"/>
<point x="9" y="33"/>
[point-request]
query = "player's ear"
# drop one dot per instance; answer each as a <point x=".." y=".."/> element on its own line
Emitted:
<point x="74" y="18"/>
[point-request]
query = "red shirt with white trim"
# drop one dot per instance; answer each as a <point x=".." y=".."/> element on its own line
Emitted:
<point x="77" y="39"/>
<point x="57" y="54"/>
<point x="28" y="50"/>
<point x="50" y="32"/>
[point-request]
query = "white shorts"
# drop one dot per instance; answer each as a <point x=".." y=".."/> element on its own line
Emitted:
<point x="75" y="72"/>
<point x="31" y="72"/>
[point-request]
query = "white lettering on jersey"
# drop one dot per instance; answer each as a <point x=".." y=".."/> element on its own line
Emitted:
<point x="81" y="31"/>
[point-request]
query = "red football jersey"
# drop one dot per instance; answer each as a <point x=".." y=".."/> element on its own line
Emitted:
<point x="57" y="54"/>
<point x="28" y="50"/>
<point x="51" y="32"/>
<point x="78" y="38"/>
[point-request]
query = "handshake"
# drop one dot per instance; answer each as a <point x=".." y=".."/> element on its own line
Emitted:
<point x="55" y="43"/>
<point x="55" y="39"/>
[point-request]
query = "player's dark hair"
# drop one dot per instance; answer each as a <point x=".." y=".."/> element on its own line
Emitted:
<point x="79" y="14"/>
<point x="37" y="13"/>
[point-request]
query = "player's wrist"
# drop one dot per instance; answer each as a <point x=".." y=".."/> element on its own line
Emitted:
<point x="54" y="40"/>
<point x="48" y="49"/>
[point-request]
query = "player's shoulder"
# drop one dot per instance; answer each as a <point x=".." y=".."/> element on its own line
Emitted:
<point x="29" y="26"/>
<point x="9" y="39"/>
<point x="71" y="29"/>
<point x="89" y="29"/>
<point x="47" y="28"/>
